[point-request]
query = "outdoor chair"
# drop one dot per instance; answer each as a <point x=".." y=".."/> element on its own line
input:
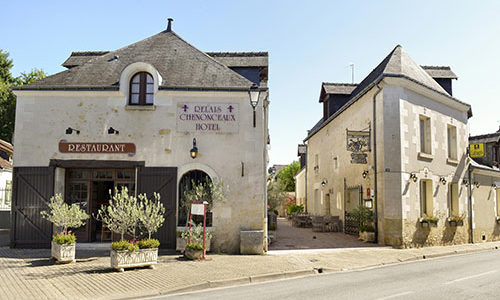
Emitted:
<point x="318" y="224"/>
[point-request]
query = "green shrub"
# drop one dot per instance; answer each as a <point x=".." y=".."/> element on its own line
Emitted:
<point x="64" y="239"/>
<point x="148" y="243"/>
<point x="366" y="228"/>
<point x="364" y="216"/>
<point x="195" y="246"/>
<point x="179" y="234"/>
<point x="124" y="245"/>
<point x="294" y="208"/>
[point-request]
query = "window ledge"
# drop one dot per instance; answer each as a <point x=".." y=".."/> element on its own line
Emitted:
<point x="426" y="156"/>
<point x="140" y="107"/>
<point x="452" y="161"/>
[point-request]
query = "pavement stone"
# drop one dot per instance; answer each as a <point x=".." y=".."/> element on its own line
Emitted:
<point x="29" y="274"/>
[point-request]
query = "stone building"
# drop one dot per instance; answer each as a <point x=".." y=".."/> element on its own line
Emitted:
<point x="152" y="116"/>
<point x="395" y="142"/>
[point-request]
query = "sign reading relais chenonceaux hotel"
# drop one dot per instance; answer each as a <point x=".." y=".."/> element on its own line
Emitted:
<point x="203" y="117"/>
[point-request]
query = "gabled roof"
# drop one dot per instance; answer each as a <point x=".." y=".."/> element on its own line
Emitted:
<point x="396" y="64"/>
<point x="440" y="72"/>
<point x="180" y="65"/>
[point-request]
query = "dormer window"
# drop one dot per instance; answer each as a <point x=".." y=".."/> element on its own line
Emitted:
<point x="141" y="89"/>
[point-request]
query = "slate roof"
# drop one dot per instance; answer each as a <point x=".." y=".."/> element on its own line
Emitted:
<point x="241" y="59"/>
<point x="78" y="58"/>
<point x="440" y="72"/>
<point x="396" y="64"/>
<point x="180" y="64"/>
<point x="338" y="88"/>
<point x="486" y="138"/>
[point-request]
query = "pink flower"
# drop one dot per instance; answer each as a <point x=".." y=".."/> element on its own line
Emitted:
<point x="69" y="232"/>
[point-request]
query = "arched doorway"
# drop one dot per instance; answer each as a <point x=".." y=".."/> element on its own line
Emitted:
<point x="190" y="178"/>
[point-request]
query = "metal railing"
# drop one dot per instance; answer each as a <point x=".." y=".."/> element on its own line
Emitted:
<point x="5" y="198"/>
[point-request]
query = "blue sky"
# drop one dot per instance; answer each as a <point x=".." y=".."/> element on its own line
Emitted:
<point x="308" y="41"/>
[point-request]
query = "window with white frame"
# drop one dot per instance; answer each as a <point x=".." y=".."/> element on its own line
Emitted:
<point x="425" y="134"/>
<point x="452" y="142"/>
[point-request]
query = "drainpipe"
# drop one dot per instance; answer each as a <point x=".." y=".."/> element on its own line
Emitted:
<point x="375" y="202"/>
<point x="305" y="188"/>
<point x="471" y="219"/>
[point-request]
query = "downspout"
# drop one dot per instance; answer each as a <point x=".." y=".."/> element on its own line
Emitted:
<point x="471" y="219"/>
<point x="375" y="202"/>
<point x="305" y="189"/>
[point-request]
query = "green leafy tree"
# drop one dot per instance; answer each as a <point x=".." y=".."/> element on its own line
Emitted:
<point x="7" y="98"/>
<point x="64" y="215"/>
<point x="287" y="174"/>
<point x="152" y="213"/>
<point x="276" y="194"/>
<point x="203" y="191"/>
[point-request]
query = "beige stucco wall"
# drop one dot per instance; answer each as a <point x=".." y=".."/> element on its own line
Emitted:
<point x="300" y="187"/>
<point x="42" y="118"/>
<point x="484" y="201"/>
<point x="408" y="105"/>
<point x="330" y="143"/>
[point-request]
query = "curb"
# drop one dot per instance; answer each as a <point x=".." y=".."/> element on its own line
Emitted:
<point x="300" y="273"/>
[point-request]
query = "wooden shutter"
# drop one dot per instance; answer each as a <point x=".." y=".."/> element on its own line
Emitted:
<point x="162" y="180"/>
<point x="31" y="190"/>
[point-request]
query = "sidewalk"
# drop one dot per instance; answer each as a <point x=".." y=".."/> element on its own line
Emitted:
<point x="28" y="274"/>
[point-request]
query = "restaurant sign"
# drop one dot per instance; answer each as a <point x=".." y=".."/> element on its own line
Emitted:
<point x="208" y="117"/>
<point x="111" y="148"/>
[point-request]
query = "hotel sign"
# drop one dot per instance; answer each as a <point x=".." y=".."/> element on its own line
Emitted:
<point x="208" y="117"/>
<point x="476" y="150"/>
<point x="111" y="148"/>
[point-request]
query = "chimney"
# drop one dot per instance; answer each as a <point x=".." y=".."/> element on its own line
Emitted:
<point x="169" y="26"/>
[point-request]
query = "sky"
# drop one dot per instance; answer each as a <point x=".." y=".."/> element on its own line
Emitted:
<point x="309" y="42"/>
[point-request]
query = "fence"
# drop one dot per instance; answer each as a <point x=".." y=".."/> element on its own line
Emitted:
<point x="5" y="198"/>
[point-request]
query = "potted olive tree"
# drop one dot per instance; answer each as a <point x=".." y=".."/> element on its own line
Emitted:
<point x="198" y="193"/>
<point x="364" y="216"/>
<point x="126" y="214"/>
<point x="193" y="238"/>
<point x="64" y="217"/>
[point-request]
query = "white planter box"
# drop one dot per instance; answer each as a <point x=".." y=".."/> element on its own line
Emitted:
<point x="130" y="259"/>
<point x="63" y="253"/>
<point x="181" y="244"/>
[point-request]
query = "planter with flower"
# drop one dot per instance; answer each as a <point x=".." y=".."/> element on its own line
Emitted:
<point x="429" y="221"/>
<point x="126" y="214"/>
<point x="211" y="192"/>
<point x="456" y="220"/>
<point x="64" y="216"/>
<point x="193" y="238"/>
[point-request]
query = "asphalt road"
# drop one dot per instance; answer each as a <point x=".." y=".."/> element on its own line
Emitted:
<point x="471" y="276"/>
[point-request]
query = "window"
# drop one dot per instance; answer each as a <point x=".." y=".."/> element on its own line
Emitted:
<point x="316" y="163"/>
<point x="425" y="135"/>
<point x="141" y="89"/>
<point x="453" y="196"/>
<point x="335" y="163"/>
<point x="452" y="142"/>
<point x="426" y="198"/>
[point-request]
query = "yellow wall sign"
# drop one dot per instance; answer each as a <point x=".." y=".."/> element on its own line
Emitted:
<point x="476" y="150"/>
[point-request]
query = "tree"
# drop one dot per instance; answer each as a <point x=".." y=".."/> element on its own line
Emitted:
<point x="7" y="98"/>
<point x="63" y="215"/>
<point x="203" y="191"/>
<point x="152" y="212"/>
<point x="276" y="194"/>
<point x="287" y="176"/>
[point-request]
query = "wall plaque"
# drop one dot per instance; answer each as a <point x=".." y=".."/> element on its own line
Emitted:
<point x="358" y="158"/>
<point x="208" y="117"/>
<point x="71" y="147"/>
<point x="358" y="141"/>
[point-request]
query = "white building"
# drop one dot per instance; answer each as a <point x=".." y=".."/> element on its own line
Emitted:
<point x="130" y="117"/>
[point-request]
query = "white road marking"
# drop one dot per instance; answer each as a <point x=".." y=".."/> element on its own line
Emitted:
<point x="396" y="295"/>
<point x="470" y="277"/>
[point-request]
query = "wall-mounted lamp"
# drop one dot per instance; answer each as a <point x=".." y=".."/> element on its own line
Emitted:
<point x="111" y="130"/>
<point x="364" y="174"/>
<point x="70" y="131"/>
<point x="254" y="95"/>
<point x="442" y="180"/>
<point x="477" y="184"/>
<point x="324" y="182"/>
<point x="493" y="185"/>
<point x="194" y="150"/>
<point x="413" y="177"/>
<point x="465" y="182"/>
